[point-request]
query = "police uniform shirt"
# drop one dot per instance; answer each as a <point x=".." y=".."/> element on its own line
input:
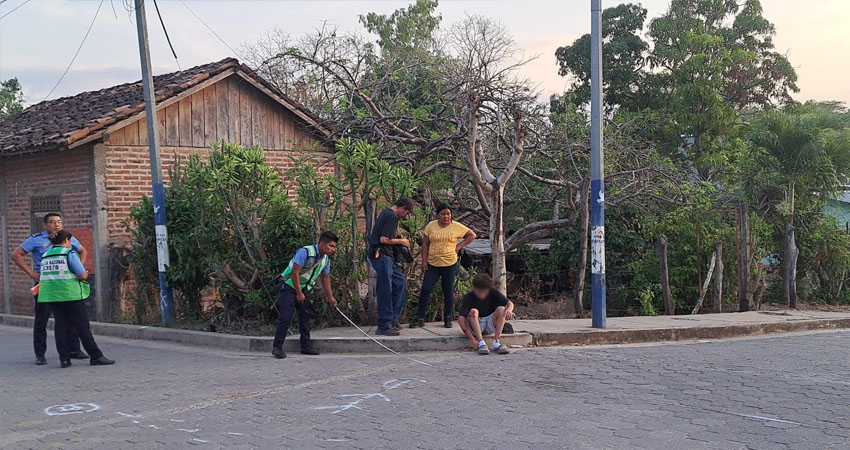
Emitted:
<point x="38" y="244"/>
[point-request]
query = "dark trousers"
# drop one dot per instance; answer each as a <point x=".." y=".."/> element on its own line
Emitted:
<point x="39" y="330"/>
<point x="447" y="276"/>
<point x="391" y="290"/>
<point x="286" y="303"/>
<point x="72" y="317"/>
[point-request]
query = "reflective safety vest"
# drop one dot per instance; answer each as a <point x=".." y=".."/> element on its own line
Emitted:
<point x="57" y="282"/>
<point x="311" y="270"/>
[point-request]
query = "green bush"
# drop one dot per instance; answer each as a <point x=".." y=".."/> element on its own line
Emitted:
<point x="231" y="227"/>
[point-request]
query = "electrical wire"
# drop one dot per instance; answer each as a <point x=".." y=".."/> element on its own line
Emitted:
<point x="14" y="9"/>
<point x="235" y="53"/>
<point x="91" y="25"/>
<point x="168" y="39"/>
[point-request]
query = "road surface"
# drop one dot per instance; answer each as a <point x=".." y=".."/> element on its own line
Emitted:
<point x="780" y="392"/>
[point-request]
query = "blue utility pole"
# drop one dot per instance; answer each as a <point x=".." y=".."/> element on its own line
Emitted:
<point x="597" y="177"/>
<point x="159" y="219"/>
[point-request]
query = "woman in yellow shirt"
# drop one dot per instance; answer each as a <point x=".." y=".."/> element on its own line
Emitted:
<point x="442" y="241"/>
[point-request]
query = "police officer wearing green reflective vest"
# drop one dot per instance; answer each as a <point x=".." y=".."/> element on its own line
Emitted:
<point x="297" y="281"/>
<point x="63" y="285"/>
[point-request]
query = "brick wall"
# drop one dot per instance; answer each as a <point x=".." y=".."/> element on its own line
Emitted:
<point x="66" y="174"/>
<point x="128" y="176"/>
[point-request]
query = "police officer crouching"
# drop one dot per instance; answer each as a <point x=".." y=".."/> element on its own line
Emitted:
<point x="308" y="264"/>
<point x="63" y="285"/>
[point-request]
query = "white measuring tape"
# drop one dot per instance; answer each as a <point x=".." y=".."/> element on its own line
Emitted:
<point x="379" y="342"/>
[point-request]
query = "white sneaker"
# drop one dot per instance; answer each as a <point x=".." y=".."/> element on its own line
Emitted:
<point x="482" y="350"/>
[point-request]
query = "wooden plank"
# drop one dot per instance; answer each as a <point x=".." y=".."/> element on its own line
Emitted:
<point x="222" y="117"/>
<point x="131" y="133"/>
<point x="283" y="102"/>
<point x="209" y="115"/>
<point x="160" y="126"/>
<point x="143" y="131"/>
<point x="256" y="118"/>
<point x="185" y="129"/>
<point x="197" y="120"/>
<point x="117" y="137"/>
<point x="234" y="131"/>
<point x="245" y="113"/>
<point x="172" y="126"/>
<point x="271" y="131"/>
<point x="276" y="128"/>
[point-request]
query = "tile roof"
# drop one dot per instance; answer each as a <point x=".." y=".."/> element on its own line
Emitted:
<point x="56" y="124"/>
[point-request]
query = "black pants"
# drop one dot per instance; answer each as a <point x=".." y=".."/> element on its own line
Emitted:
<point x="286" y="303"/>
<point x="72" y="317"/>
<point x="39" y="330"/>
<point x="447" y="276"/>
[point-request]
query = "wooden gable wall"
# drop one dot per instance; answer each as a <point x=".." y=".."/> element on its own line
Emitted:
<point x="230" y="109"/>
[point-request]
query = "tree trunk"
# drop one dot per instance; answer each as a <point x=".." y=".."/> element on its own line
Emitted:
<point x="704" y="288"/>
<point x="497" y="239"/>
<point x="667" y="296"/>
<point x="744" y="258"/>
<point x="789" y="265"/>
<point x="581" y="272"/>
<point x="718" y="277"/>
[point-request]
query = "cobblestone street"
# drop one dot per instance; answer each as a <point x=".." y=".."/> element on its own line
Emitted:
<point x="789" y="391"/>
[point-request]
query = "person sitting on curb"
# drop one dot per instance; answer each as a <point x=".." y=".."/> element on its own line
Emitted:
<point x="485" y="311"/>
<point x="308" y="264"/>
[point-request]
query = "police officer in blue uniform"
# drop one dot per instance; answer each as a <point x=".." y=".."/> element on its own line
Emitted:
<point x="37" y="245"/>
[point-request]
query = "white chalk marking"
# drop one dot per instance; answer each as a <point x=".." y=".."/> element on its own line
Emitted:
<point x="128" y="415"/>
<point x="337" y="440"/>
<point x="387" y="385"/>
<point x="189" y="431"/>
<point x="234" y="434"/>
<point x="153" y="426"/>
<point x="136" y="422"/>
<point x="178" y="420"/>
<point x="769" y="419"/>
<point x="73" y="408"/>
<point x="201" y="441"/>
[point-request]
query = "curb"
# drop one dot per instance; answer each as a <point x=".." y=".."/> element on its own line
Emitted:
<point x="607" y="337"/>
<point x="445" y="343"/>
<point x="264" y="343"/>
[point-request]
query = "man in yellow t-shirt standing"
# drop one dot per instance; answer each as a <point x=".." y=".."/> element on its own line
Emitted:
<point x="443" y="239"/>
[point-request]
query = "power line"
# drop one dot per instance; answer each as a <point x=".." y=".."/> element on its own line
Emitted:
<point x="91" y="25"/>
<point x="15" y="9"/>
<point x="235" y="53"/>
<point x="168" y="39"/>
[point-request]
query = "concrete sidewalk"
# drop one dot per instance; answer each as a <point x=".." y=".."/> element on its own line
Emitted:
<point x="620" y="330"/>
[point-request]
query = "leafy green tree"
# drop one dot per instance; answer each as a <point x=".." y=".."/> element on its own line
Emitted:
<point x="625" y="81"/>
<point x="797" y="158"/>
<point x="11" y="98"/>
<point x="716" y="57"/>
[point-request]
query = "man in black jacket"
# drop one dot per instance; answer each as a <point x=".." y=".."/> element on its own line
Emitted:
<point x="391" y="288"/>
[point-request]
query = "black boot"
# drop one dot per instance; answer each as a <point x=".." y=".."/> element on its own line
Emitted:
<point x="65" y="364"/>
<point x="278" y="352"/>
<point x="309" y="351"/>
<point x="40" y="360"/>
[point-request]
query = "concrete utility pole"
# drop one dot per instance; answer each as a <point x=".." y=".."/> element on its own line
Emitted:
<point x="159" y="218"/>
<point x="597" y="178"/>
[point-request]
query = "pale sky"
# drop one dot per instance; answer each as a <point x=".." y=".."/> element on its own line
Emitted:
<point x="38" y="40"/>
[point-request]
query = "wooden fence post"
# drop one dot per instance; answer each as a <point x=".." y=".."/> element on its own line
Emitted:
<point x="744" y="258"/>
<point x="669" y="305"/>
<point x="718" y="276"/>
